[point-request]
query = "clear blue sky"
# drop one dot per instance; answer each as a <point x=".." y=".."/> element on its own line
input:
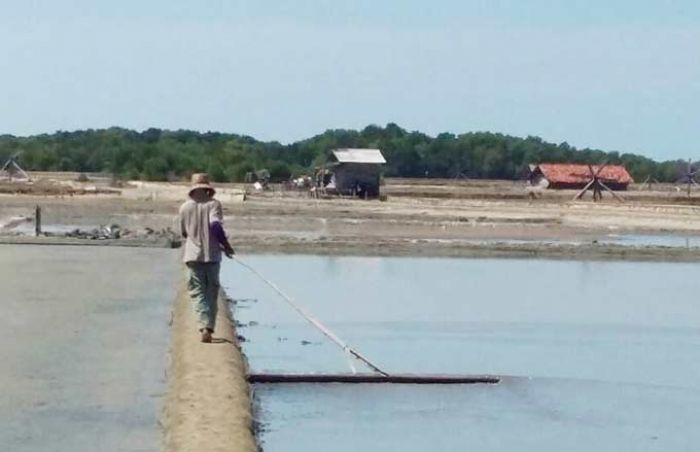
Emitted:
<point x="614" y="74"/>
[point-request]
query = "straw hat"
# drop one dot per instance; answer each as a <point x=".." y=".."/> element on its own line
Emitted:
<point x="201" y="180"/>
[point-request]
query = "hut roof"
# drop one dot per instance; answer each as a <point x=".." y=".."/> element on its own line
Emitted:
<point x="566" y="173"/>
<point x="349" y="155"/>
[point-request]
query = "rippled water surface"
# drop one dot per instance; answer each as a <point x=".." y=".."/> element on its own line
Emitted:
<point x="601" y="356"/>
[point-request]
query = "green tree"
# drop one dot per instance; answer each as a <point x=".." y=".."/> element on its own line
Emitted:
<point x="155" y="169"/>
<point x="157" y="154"/>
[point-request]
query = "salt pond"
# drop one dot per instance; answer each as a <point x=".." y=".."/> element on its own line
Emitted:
<point x="83" y="344"/>
<point x="605" y="354"/>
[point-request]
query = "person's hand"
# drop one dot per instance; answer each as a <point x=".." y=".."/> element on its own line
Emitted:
<point x="229" y="252"/>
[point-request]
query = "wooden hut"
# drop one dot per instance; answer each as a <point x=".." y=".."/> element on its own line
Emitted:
<point x="577" y="176"/>
<point x="354" y="172"/>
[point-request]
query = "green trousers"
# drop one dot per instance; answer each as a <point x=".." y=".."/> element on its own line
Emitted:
<point x="203" y="287"/>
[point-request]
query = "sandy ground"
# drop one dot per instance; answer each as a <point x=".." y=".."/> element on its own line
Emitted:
<point x="420" y="217"/>
<point x="83" y="342"/>
<point x="208" y="406"/>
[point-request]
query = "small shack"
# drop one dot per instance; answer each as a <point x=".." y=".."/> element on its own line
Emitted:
<point x="354" y="172"/>
<point x="576" y="176"/>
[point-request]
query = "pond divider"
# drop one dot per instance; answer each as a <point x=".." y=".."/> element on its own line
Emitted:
<point x="208" y="404"/>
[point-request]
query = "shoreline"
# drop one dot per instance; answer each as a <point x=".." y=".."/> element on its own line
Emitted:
<point x="71" y="241"/>
<point x="453" y="249"/>
<point x="415" y="247"/>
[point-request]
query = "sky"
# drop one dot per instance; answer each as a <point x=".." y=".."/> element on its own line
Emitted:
<point x="611" y="74"/>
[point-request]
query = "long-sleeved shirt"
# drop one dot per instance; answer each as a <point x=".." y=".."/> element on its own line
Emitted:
<point x="198" y="222"/>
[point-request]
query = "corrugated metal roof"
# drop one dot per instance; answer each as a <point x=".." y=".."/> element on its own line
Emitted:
<point x="576" y="173"/>
<point x="349" y="155"/>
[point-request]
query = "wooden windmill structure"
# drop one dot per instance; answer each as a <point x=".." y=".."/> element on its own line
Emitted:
<point x="597" y="185"/>
<point x="689" y="176"/>
<point x="12" y="169"/>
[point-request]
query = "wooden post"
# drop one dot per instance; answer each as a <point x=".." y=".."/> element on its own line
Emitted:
<point x="37" y="221"/>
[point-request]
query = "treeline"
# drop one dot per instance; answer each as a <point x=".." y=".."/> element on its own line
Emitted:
<point x="156" y="154"/>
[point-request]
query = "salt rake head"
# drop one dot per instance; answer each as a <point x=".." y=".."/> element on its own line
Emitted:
<point x="425" y="379"/>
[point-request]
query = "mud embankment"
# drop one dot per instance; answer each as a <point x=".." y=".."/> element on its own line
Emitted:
<point x="466" y="249"/>
<point x="379" y="246"/>
<point x="208" y="407"/>
<point x="156" y="242"/>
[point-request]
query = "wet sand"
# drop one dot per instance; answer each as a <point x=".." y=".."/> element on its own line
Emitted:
<point x="83" y="342"/>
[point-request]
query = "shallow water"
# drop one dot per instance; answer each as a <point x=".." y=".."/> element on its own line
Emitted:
<point x="631" y="240"/>
<point x="605" y="354"/>
<point x="83" y="343"/>
<point x="667" y="240"/>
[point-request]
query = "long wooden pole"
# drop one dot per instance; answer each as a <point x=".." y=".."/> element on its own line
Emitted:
<point x="583" y="191"/>
<point x="309" y="318"/>
<point x="615" y="195"/>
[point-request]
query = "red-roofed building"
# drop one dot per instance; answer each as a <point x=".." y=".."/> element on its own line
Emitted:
<point x="573" y="176"/>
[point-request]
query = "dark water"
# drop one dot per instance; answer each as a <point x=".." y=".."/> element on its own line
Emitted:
<point x="605" y="355"/>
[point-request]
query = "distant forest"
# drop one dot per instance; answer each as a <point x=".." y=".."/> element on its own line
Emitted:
<point x="156" y="154"/>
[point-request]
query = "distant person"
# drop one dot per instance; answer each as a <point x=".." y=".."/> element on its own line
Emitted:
<point x="201" y="221"/>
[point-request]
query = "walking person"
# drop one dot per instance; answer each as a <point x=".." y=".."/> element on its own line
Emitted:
<point x="201" y="225"/>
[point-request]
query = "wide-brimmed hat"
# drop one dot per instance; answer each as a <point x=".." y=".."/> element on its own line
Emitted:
<point x="201" y="180"/>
